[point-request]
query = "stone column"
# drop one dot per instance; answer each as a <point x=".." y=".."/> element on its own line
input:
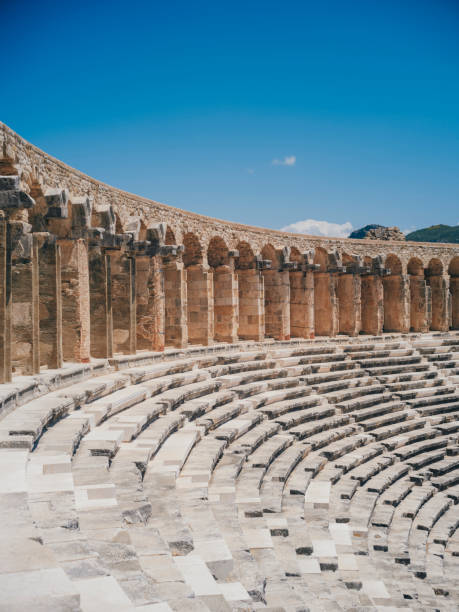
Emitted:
<point x="397" y="303"/>
<point x="302" y="300"/>
<point x="76" y="327"/>
<point x="326" y="316"/>
<point x="24" y="288"/>
<point x="277" y="303"/>
<point x="150" y="303"/>
<point x="12" y="200"/>
<point x="5" y="301"/>
<point x="251" y="304"/>
<point x="100" y="288"/>
<point x="439" y="286"/>
<point x="123" y="301"/>
<point x="372" y="300"/>
<point x="419" y="304"/>
<point x="349" y="302"/>
<point x="200" y="304"/>
<point x="226" y="298"/>
<point x="454" y="288"/>
<point x="50" y="299"/>
<point x="176" y="331"/>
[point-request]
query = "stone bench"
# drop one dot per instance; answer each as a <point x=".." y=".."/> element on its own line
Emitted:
<point x="22" y="427"/>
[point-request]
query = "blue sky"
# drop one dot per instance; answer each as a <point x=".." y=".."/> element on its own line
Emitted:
<point x="259" y="112"/>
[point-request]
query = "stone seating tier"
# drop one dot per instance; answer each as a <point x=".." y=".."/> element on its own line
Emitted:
<point x="289" y="476"/>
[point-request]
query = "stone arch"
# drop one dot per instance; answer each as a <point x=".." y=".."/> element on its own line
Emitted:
<point x="419" y="296"/>
<point x="325" y="299"/>
<point x="396" y="297"/>
<point x="268" y="252"/>
<point x="118" y="224"/>
<point x="349" y="296"/>
<point x="246" y="258"/>
<point x="170" y="236"/>
<point x="192" y="255"/>
<point x="321" y="259"/>
<point x="142" y="231"/>
<point x="453" y="270"/>
<point x="295" y="255"/>
<point x="301" y="296"/>
<point x="439" y="295"/>
<point x="217" y="252"/>
<point x="251" y="294"/>
<point x="372" y="299"/>
<point x="37" y="214"/>
<point x="347" y="259"/>
<point x="394" y="265"/>
<point x="277" y="295"/>
<point x="200" y="292"/>
<point x="225" y="290"/>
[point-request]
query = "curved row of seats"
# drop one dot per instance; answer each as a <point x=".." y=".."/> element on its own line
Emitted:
<point x="296" y="475"/>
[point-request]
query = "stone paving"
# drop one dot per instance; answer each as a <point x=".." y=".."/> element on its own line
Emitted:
<point x="297" y="475"/>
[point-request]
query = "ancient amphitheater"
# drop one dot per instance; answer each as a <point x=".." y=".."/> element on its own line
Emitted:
<point x="198" y="415"/>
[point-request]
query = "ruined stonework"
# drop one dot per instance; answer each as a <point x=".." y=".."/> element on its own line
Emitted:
<point x="200" y="416"/>
<point x="89" y="270"/>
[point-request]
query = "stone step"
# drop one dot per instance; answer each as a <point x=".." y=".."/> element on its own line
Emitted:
<point x="451" y="396"/>
<point x="112" y="404"/>
<point x="269" y="450"/>
<point x="384" y="362"/>
<point x="425" y="392"/>
<point x="297" y="417"/>
<point x="397" y="369"/>
<point x="22" y="427"/>
<point x="284" y="407"/>
<point x="361" y="387"/>
<point x="250" y="441"/>
<point x="308" y="429"/>
<point x="364" y="401"/>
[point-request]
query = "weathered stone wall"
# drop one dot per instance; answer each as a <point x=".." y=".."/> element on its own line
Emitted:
<point x="89" y="270"/>
<point x="36" y="167"/>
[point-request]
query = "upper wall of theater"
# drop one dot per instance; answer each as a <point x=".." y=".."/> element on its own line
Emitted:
<point x="37" y="168"/>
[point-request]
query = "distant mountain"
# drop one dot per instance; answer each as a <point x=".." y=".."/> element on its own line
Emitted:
<point x="436" y="233"/>
<point x="378" y="232"/>
<point x="362" y="232"/>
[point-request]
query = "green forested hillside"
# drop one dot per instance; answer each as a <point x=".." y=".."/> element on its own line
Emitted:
<point x="436" y="233"/>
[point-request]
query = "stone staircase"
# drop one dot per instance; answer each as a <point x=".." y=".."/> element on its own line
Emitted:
<point x="320" y="475"/>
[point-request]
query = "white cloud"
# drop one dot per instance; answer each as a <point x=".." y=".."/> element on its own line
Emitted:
<point x="409" y="230"/>
<point x="289" y="160"/>
<point x="250" y="171"/>
<point x="320" y="228"/>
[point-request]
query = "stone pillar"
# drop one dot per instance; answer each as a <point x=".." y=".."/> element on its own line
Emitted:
<point x="226" y="299"/>
<point x="123" y="302"/>
<point x="176" y="332"/>
<point x="76" y="327"/>
<point x="5" y="301"/>
<point x="326" y="316"/>
<point x="349" y="303"/>
<point x="50" y="299"/>
<point x="454" y="288"/>
<point x="251" y="304"/>
<point x="12" y="200"/>
<point x="397" y="303"/>
<point x="200" y="304"/>
<point x="419" y="304"/>
<point x="439" y="286"/>
<point x="277" y="304"/>
<point x="302" y="302"/>
<point x="24" y="288"/>
<point x="150" y="303"/>
<point x="372" y="300"/>
<point x="100" y="288"/>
